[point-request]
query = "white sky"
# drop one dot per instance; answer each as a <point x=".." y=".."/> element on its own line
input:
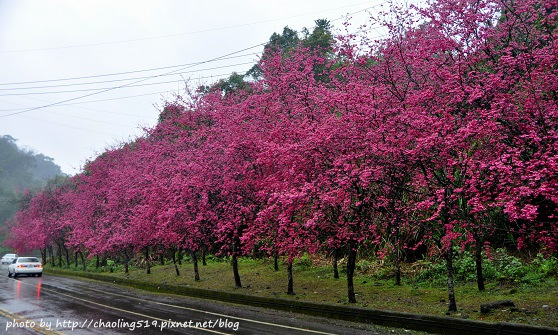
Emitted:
<point x="60" y="39"/>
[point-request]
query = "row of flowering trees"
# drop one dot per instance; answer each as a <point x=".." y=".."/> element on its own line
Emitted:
<point x="425" y="139"/>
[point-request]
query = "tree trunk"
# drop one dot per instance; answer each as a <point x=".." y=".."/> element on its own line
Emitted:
<point x="290" y="289"/>
<point x="204" y="252"/>
<point x="44" y="256"/>
<point x="195" y="261"/>
<point x="234" y="262"/>
<point x="335" y="260"/>
<point x="351" y="261"/>
<point x="82" y="260"/>
<point x="67" y="254"/>
<point x="76" y="258"/>
<point x="397" y="270"/>
<point x="275" y="261"/>
<point x="59" y="255"/>
<point x="174" y="262"/>
<point x="452" y="307"/>
<point x="397" y="257"/>
<point x="162" y="259"/>
<point x="147" y="262"/>
<point x="51" y="252"/>
<point x="478" y="261"/>
<point x="126" y="261"/>
<point x="97" y="262"/>
<point x="179" y="256"/>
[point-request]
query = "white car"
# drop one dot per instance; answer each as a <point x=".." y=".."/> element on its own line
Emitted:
<point x="30" y="266"/>
<point x="8" y="259"/>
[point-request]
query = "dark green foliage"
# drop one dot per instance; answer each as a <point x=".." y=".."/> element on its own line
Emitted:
<point x="502" y="267"/>
<point x="234" y="83"/>
<point x="320" y="40"/>
<point x="285" y="42"/>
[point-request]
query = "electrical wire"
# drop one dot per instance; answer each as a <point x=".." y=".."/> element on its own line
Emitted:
<point x="119" y="98"/>
<point x="132" y="83"/>
<point x="68" y="126"/>
<point x="81" y="117"/>
<point x="121" y="73"/>
<point x="93" y="101"/>
<point x="99" y="91"/>
<point x="110" y="81"/>
<point x="165" y="67"/>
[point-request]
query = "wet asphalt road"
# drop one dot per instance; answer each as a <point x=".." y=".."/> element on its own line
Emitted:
<point x="55" y="305"/>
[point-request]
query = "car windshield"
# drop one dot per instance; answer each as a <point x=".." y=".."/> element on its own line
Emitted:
<point x="28" y="260"/>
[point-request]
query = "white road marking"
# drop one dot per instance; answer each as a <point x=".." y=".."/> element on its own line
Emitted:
<point x="216" y="314"/>
<point x="116" y="308"/>
<point x="212" y="313"/>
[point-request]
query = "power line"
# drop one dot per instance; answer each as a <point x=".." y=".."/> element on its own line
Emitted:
<point x="165" y="67"/>
<point x="121" y="73"/>
<point x="154" y="76"/>
<point x="117" y="98"/>
<point x="132" y="83"/>
<point x="92" y="101"/>
<point x="107" y="81"/>
<point x="68" y="126"/>
<point x="93" y="120"/>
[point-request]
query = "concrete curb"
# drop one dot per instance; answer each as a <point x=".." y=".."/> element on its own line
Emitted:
<point x="427" y="323"/>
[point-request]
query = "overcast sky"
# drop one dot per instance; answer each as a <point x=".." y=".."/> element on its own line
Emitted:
<point x="44" y="44"/>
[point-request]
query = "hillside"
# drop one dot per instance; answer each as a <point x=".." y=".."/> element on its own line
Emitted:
<point x="20" y="170"/>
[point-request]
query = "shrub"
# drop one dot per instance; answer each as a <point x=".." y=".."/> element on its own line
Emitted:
<point x="503" y="267"/>
<point x="363" y="265"/>
<point x="303" y="262"/>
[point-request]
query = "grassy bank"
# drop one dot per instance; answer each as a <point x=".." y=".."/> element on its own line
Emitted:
<point x="536" y="302"/>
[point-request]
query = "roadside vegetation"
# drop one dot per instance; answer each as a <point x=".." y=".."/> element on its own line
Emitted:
<point x="531" y="284"/>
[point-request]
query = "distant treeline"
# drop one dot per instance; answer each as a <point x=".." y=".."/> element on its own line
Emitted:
<point x="20" y="170"/>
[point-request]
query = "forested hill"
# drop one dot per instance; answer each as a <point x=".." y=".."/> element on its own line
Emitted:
<point x="20" y="169"/>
